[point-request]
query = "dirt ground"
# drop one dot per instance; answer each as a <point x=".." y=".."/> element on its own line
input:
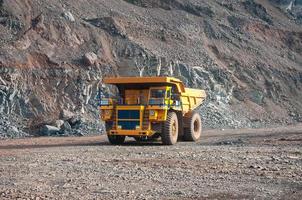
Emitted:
<point x="232" y="164"/>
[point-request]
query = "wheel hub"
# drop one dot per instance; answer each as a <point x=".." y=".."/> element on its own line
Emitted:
<point x="174" y="129"/>
<point x="196" y="126"/>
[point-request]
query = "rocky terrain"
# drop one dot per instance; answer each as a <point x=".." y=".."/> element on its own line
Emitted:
<point x="54" y="54"/>
<point x="230" y="164"/>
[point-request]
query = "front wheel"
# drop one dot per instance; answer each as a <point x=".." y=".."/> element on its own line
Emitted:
<point x="116" y="139"/>
<point x="169" y="134"/>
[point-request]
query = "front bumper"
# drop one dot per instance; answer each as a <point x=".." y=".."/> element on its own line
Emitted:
<point x="131" y="132"/>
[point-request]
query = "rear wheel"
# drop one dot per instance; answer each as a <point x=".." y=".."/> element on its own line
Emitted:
<point x="193" y="129"/>
<point x="169" y="134"/>
<point x="116" y="139"/>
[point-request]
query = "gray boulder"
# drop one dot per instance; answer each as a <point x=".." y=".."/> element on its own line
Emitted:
<point x="66" y="115"/>
<point x="76" y="120"/>
<point x="69" y="16"/>
<point x="48" y="130"/>
<point x="66" y="127"/>
<point x="58" y="123"/>
<point x="90" y="58"/>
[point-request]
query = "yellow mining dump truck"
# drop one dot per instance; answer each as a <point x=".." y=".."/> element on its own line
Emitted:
<point x="149" y="108"/>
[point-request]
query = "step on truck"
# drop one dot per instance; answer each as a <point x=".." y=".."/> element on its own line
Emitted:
<point x="151" y="108"/>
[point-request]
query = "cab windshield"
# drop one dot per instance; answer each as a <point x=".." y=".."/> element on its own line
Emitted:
<point x="158" y="94"/>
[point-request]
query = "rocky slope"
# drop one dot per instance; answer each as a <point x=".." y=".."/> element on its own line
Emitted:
<point x="247" y="54"/>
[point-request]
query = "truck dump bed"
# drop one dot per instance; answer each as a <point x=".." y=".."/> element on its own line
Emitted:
<point x="191" y="98"/>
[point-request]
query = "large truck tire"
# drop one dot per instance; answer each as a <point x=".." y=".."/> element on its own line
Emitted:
<point x="116" y="139"/>
<point x="169" y="134"/>
<point x="193" y="127"/>
<point x="108" y="126"/>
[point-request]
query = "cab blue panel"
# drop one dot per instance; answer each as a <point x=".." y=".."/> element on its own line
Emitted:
<point x="128" y="114"/>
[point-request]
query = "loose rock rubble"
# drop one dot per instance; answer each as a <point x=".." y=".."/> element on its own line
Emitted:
<point x="11" y="129"/>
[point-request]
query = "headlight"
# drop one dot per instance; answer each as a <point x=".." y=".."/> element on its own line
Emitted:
<point x="106" y="112"/>
<point x="104" y="102"/>
<point x="152" y="112"/>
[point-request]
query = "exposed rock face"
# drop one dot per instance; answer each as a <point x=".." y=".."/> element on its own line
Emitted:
<point x="247" y="55"/>
<point x="48" y="95"/>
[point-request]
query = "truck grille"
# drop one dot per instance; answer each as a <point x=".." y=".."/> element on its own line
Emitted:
<point x="128" y="119"/>
<point x="128" y="125"/>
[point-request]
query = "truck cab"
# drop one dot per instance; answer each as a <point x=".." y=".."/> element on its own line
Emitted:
<point x="144" y="105"/>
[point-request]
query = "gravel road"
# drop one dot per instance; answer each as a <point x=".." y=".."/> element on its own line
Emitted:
<point x="232" y="164"/>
